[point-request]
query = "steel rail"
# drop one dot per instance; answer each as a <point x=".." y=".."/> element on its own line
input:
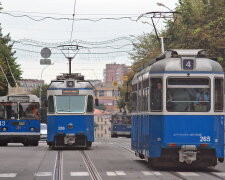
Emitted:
<point x="90" y="166"/>
<point x="58" y="167"/>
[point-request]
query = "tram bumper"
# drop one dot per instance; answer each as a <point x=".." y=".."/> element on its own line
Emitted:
<point x="188" y="153"/>
<point x="69" y="139"/>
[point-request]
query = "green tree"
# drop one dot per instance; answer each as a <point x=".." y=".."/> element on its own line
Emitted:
<point x="7" y="57"/>
<point x="199" y="26"/>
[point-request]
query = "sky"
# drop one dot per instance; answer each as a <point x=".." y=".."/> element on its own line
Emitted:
<point x="104" y="28"/>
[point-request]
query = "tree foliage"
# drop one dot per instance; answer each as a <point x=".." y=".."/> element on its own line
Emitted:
<point x="7" y="54"/>
<point x="199" y="26"/>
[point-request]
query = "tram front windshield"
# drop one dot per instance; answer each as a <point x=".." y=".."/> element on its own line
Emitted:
<point x="8" y="110"/>
<point x="126" y="120"/>
<point x="188" y="95"/>
<point x="70" y="104"/>
<point x="29" y="110"/>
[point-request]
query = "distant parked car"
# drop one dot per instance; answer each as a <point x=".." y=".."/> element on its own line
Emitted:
<point x="43" y="131"/>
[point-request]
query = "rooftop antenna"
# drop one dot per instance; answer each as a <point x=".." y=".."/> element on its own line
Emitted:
<point x="69" y="51"/>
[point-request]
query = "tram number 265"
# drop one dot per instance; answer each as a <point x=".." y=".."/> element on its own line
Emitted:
<point x="205" y="139"/>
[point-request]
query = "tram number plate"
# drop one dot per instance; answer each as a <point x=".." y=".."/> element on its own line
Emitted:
<point x="188" y="64"/>
<point x="18" y="123"/>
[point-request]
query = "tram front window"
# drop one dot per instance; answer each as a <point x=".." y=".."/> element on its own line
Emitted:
<point x="8" y="110"/>
<point x="70" y="104"/>
<point x="29" y="110"/>
<point x="188" y="95"/>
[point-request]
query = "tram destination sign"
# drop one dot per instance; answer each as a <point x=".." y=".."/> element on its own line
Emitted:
<point x="188" y="63"/>
<point x="18" y="98"/>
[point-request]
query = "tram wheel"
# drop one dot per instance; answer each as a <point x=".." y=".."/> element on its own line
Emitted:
<point x="3" y="144"/>
<point x="35" y="143"/>
<point x="89" y="144"/>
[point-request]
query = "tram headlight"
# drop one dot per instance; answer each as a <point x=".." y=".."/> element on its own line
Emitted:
<point x="32" y="129"/>
<point x="70" y="126"/>
<point x="4" y="129"/>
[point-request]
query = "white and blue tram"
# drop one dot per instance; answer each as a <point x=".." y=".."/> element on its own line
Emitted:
<point x="178" y="110"/>
<point x="70" y="116"/>
<point x="19" y="120"/>
<point x="121" y="125"/>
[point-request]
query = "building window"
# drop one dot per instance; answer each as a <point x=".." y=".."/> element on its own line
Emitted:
<point x="101" y="93"/>
<point x="101" y="127"/>
<point x="105" y="122"/>
<point x="102" y="119"/>
<point x="101" y="135"/>
<point x="105" y="131"/>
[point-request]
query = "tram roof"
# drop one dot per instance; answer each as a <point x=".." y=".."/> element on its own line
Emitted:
<point x="63" y="84"/>
<point x="171" y="61"/>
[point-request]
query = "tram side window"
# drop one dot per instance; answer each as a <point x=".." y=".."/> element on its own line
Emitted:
<point x="156" y="94"/>
<point x="51" y="108"/>
<point x="219" y="94"/>
<point x="90" y="104"/>
<point x="134" y="101"/>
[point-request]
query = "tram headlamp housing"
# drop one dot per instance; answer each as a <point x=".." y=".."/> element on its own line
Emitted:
<point x="70" y="126"/>
<point x="4" y="129"/>
<point x="32" y="129"/>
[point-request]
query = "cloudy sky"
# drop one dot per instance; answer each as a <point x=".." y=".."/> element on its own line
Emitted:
<point x="105" y="29"/>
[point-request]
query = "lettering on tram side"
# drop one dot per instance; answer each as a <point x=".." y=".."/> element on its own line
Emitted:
<point x="202" y="138"/>
<point x="2" y="123"/>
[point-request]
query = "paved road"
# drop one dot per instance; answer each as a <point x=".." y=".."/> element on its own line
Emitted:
<point x="107" y="159"/>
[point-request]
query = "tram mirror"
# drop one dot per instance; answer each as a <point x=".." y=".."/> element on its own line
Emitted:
<point x="96" y="102"/>
<point x="127" y="96"/>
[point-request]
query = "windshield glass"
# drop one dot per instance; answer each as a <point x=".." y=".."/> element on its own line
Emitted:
<point x="8" y="110"/>
<point x="188" y="95"/>
<point x="29" y="110"/>
<point x="71" y="104"/>
<point x="121" y="119"/>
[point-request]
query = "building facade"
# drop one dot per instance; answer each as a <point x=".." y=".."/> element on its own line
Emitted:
<point x="103" y="124"/>
<point x="114" y="72"/>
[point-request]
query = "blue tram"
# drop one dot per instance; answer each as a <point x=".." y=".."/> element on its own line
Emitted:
<point x="178" y="110"/>
<point x="19" y="120"/>
<point x="121" y="125"/>
<point x="70" y="116"/>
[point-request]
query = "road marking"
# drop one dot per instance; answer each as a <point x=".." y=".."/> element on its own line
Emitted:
<point x="219" y="173"/>
<point x="79" y="174"/>
<point x="188" y="174"/>
<point x="8" y="175"/>
<point x="151" y="173"/>
<point x="110" y="173"/>
<point x="43" y="174"/>
<point x="120" y="173"/>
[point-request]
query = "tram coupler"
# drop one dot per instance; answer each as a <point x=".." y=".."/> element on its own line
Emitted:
<point x="188" y="153"/>
<point x="69" y="139"/>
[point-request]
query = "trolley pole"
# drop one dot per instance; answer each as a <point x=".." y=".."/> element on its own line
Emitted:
<point x="69" y="59"/>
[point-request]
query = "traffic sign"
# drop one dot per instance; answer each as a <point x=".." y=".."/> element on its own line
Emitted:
<point x="125" y="78"/>
<point x="115" y="83"/>
<point x="45" y="53"/>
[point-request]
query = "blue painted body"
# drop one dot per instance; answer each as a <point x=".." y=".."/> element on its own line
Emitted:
<point x="20" y="128"/>
<point x="81" y="123"/>
<point x="121" y="127"/>
<point x="151" y="133"/>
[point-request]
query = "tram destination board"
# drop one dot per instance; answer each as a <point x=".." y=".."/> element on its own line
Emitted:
<point x="18" y="98"/>
<point x="188" y="63"/>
